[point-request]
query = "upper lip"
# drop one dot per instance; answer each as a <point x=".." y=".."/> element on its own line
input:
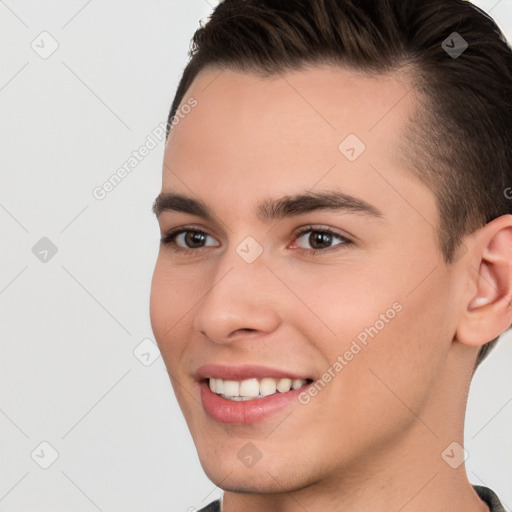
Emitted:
<point x="242" y="372"/>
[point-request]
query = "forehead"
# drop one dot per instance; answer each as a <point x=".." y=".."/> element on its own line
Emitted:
<point x="319" y="127"/>
<point x="319" y="101"/>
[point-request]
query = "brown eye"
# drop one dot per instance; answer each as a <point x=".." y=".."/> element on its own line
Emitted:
<point x="319" y="239"/>
<point x="194" y="239"/>
<point x="188" y="239"/>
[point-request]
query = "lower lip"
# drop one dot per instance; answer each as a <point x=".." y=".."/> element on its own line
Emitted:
<point x="246" y="411"/>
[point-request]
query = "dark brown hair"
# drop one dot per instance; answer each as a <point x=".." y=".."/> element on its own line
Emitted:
<point x="460" y="140"/>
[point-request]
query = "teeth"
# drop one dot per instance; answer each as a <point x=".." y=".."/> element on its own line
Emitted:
<point x="253" y="388"/>
<point x="297" y="383"/>
<point x="267" y="386"/>
<point x="284" y="385"/>
<point x="249" y="387"/>
<point x="231" y="387"/>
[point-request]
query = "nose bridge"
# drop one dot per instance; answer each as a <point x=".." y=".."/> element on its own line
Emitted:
<point x="238" y="298"/>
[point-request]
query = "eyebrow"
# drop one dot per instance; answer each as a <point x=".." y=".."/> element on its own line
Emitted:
<point x="270" y="209"/>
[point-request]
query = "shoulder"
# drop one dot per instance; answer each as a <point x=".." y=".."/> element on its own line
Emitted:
<point x="490" y="498"/>
<point x="214" y="506"/>
<point x="485" y="494"/>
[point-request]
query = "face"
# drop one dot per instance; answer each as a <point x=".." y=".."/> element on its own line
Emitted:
<point x="298" y="250"/>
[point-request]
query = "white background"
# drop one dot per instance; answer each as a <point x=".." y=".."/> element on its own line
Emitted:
<point x="69" y="326"/>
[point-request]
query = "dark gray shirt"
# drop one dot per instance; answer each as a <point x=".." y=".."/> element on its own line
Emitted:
<point x="486" y="495"/>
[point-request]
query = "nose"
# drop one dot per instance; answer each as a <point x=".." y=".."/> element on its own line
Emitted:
<point x="241" y="301"/>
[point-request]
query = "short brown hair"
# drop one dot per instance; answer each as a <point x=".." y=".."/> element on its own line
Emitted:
<point x="460" y="140"/>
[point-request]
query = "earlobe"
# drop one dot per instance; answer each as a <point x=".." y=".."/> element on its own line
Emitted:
<point x="488" y="312"/>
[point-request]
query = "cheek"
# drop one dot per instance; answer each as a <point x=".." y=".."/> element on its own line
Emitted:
<point x="172" y="298"/>
<point x="402" y="361"/>
<point x="375" y="320"/>
<point x="334" y="304"/>
<point x="173" y="295"/>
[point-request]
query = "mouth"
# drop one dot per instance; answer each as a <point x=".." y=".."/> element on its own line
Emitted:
<point x="254" y="388"/>
<point x="247" y="394"/>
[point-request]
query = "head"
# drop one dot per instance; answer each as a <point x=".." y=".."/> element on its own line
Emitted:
<point x="300" y="107"/>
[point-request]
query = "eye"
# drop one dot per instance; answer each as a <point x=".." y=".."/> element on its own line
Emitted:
<point x="319" y="239"/>
<point x="186" y="240"/>
<point x="310" y="239"/>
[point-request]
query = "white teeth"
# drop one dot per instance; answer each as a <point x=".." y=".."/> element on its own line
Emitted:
<point x="267" y="386"/>
<point x="216" y="385"/>
<point x="231" y="387"/>
<point x="249" y="389"/>
<point x="284" y="385"/>
<point x="297" y="383"/>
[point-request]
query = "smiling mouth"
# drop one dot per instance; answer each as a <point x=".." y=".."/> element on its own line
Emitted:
<point x="252" y="389"/>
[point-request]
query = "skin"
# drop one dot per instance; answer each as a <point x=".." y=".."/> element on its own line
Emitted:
<point x="372" y="439"/>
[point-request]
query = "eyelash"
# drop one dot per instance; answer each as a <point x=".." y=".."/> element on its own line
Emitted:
<point x="169" y="239"/>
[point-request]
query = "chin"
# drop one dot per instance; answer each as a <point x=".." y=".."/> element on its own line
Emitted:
<point x="250" y="481"/>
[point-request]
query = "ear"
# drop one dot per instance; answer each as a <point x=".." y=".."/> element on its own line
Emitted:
<point x="488" y="306"/>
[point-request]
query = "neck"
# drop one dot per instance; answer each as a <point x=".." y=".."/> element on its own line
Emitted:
<point x="391" y="483"/>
